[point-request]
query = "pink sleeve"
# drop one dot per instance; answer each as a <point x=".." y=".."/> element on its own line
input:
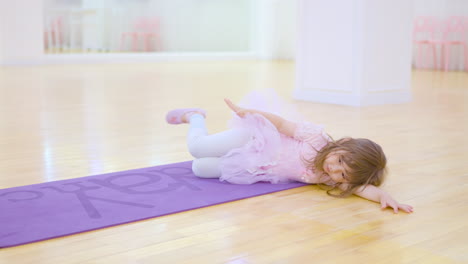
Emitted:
<point x="306" y="131"/>
<point x="311" y="133"/>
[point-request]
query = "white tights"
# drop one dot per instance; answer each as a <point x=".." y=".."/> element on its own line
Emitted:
<point x="207" y="149"/>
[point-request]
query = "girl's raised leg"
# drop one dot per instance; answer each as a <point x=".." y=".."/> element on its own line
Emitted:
<point x="202" y="145"/>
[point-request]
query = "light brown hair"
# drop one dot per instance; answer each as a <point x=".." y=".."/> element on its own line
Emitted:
<point x="365" y="158"/>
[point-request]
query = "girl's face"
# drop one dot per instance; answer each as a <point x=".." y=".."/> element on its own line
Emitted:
<point x="335" y="167"/>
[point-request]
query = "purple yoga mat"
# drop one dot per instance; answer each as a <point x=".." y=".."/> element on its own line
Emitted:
<point x="53" y="209"/>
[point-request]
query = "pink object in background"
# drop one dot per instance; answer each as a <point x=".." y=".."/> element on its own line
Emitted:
<point x="146" y="29"/>
<point x="455" y="30"/>
<point x="53" y="34"/>
<point x="424" y="33"/>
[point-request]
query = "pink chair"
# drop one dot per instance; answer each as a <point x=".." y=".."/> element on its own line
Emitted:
<point x="455" y="33"/>
<point x="424" y="34"/>
<point x="54" y="34"/>
<point x="146" y="29"/>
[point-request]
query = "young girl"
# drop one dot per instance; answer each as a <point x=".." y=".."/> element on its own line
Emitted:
<point x="262" y="146"/>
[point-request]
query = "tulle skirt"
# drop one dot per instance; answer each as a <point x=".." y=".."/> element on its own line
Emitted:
<point x="269" y="156"/>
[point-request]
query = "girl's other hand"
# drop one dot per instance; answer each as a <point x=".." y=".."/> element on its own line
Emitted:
<point x="388" y="201"/>
<point x="238" y="110"/>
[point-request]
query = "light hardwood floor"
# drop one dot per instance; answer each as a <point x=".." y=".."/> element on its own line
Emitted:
<point x="62" y="122"/>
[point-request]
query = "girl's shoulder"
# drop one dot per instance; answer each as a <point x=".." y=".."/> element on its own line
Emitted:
<point x="308" y="131"/>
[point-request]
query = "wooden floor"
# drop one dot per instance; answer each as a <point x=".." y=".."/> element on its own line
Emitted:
<point x="62" y="122"/>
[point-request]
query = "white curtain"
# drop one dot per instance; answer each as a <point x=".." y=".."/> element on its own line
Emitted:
<point x="184" y="25"/>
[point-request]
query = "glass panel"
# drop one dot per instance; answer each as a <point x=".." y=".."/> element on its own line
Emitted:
<point x="73" y="26"/>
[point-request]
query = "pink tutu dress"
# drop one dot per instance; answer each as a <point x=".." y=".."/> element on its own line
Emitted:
<point x="271" y="156"/>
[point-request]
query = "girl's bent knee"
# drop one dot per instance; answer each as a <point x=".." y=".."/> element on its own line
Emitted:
<point x="195" y="150"/>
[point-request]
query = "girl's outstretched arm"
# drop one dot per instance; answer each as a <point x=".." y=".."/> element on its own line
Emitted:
<point x="374" y="193"/>
<point x="284" y="126"/>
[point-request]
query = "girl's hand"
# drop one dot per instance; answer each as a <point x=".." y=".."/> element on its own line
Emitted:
<point x="387" y="201"/>
<point x="241" y="112"/>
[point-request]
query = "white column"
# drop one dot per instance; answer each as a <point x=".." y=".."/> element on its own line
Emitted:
<point x="265" y="30"/>
<point x="275" y="32"/>
<point x="21" y="32"/>
<point x="354" y="52"/>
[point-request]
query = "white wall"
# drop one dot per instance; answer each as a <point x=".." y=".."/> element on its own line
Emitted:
<point x="21" y="32"/>
<point x="1" y="34"/>
<point x="441" y="7"/>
